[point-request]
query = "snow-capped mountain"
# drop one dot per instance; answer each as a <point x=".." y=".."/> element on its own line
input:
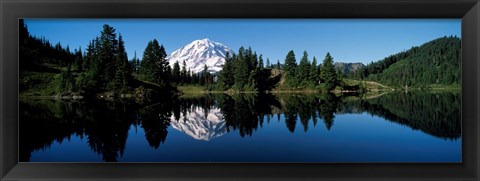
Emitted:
<point x="201" y="52"/>
<point x="199" y="125"/>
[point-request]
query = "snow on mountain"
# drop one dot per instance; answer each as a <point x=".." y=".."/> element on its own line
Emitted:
<point x="199" y="125"/>
<point x="201" y="52"/>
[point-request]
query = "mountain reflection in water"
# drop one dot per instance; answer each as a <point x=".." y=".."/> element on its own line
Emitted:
<point x="220" y="121"/>
<point x="201" y="125"/>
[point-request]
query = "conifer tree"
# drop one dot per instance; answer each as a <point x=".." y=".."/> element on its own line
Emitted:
<point x="241" y="72"/>
<point x="314" y="72"/>
<point x="327" y="73"/>
<point x="290" y="67"/>
<point x="78" y="60"/>
<point x="303" y="70"/>
<point x="226" y="75"/>
<point x="176" y="73"/>
<point x="123" y="73"/>
<point x="136" y="63"/>
<point x="184" y="73"/>
<point x="260" y="62"/>
<point x="154" y="67"/>
<point x="108" y="50"/>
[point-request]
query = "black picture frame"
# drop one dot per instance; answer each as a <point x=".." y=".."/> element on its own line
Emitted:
<point x="11" y="11"/>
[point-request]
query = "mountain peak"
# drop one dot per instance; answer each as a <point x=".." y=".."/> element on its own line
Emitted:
<point x="199" y="53"/>
<point x="204" y="41"/>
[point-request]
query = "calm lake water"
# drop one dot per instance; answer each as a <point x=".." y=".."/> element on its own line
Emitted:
<point x="394" y="127"/>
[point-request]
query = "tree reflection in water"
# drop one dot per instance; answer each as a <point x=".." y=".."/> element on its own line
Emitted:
<point x="105" y="124"/>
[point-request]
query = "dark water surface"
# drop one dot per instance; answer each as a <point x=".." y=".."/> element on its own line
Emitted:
<point x="394" y="127"/>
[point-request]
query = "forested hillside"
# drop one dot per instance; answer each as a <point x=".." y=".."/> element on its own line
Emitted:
<point x="435" y="63"/>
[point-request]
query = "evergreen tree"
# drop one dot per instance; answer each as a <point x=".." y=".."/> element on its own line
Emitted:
<point x="123" y="73"/>
<point x="136" y="63"/>
<point x="78" y="60"/>
<point x="226" y="77"/>
<point x="154" y="67"/>
<point x="314" y="72"/>
<point x="184" y="73"/>
<point x="176" y="73"/>
<point x="206" y="78"/>
<point x="241" y="71"/>
<point x="290" y="68"/>
<point x="268" y="63"/>
<point x="88" y="56"/>
<point x="108" y="50"/>
<point x="328" y="74"/>
<point x="260" y="62"/>
<point x="303" y="70"/>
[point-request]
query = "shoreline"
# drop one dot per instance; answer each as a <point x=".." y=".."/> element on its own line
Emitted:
<point x="188" y="93"/>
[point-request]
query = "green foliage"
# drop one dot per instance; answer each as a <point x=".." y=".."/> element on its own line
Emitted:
<point x="34" y="50"/>
<point x="328" y="74"/>
<point x="434" y="63"/>
<point x="65" y="82"/>
<point x="86" y="82"/>
<point x="290" y="69"/>
<point x="185" y="75"/>
<point x="248" y="72"/>
<point x="206" y="78"/>
<point x="241" y="72"/>
<point x="176" y="75"/>
<point x="106" y="58"/>
<point x="123" y="73"/>
<point x="154" y="66"/>
<point x="314" y="76"/>
<point x="303" y="71"/>
<point x="227" y="79"/>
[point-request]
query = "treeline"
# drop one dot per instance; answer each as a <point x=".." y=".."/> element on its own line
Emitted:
<point x="154" y="68"/>
<point x="434" y="63"/>
<point x="311" y="75"/>
<point x="249" y="72"/>
<point x="242" y="71"/>
<point x="104" y="66"/>
<point x="39" y="50"/>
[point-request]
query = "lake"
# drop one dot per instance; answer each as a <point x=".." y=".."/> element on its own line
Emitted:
<point x="396" y="127"/>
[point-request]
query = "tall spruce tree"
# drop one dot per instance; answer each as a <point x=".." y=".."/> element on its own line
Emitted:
<point x="176" y="73"/>
<point x="184" y="73"/>
<point x="226" y="75"/>
<point x="123" y="72"/>
<point x="154" y="67"/>
<point x="314" y="72"/>
<point x="303" y="70"/>
<point x="290" y="67"/>
<point x="79" y="60"/>
<point x="260" y="62"/>
<point x="328" y="74"/>
<point x="241" y="72"/>
<point x="108" y="50"/>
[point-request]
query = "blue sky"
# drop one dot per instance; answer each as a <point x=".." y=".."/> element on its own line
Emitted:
<point x="347" y="40"/>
